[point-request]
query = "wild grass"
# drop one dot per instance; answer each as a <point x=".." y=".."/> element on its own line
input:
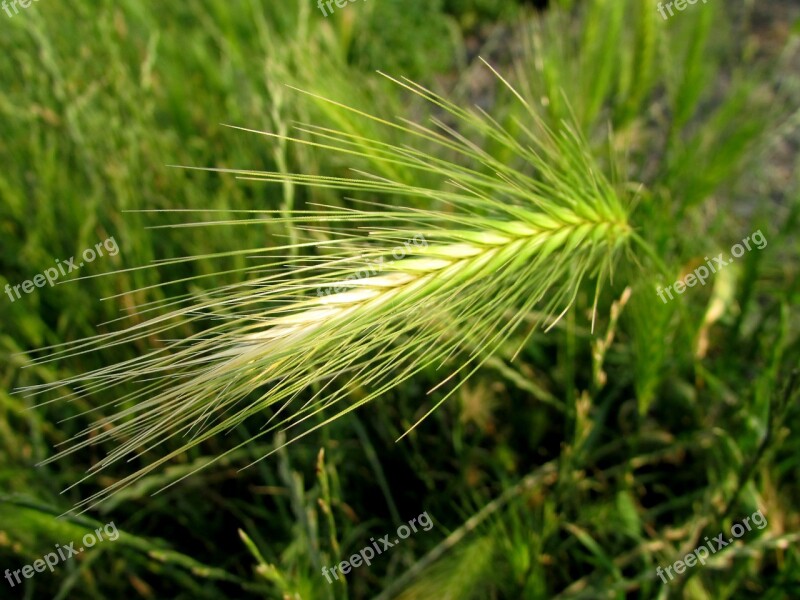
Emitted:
<point x="571" y="462"/>
<point x="506" y="240"/>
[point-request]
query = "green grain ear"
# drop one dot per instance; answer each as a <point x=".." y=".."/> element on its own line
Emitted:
<point x="503" y="242"/>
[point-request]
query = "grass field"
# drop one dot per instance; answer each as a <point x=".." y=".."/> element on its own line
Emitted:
<point x="557" y="423"/>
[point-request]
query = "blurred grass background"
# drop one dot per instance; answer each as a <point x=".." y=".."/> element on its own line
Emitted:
<point x="590" y="481"/>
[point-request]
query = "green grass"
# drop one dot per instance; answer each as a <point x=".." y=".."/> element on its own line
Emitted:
<point x="572" y="463"/>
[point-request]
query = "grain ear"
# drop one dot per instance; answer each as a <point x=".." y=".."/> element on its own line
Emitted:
<point x="390" y="291"/>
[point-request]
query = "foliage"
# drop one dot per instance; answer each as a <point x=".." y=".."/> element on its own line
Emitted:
<point x="570" y="463"/>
